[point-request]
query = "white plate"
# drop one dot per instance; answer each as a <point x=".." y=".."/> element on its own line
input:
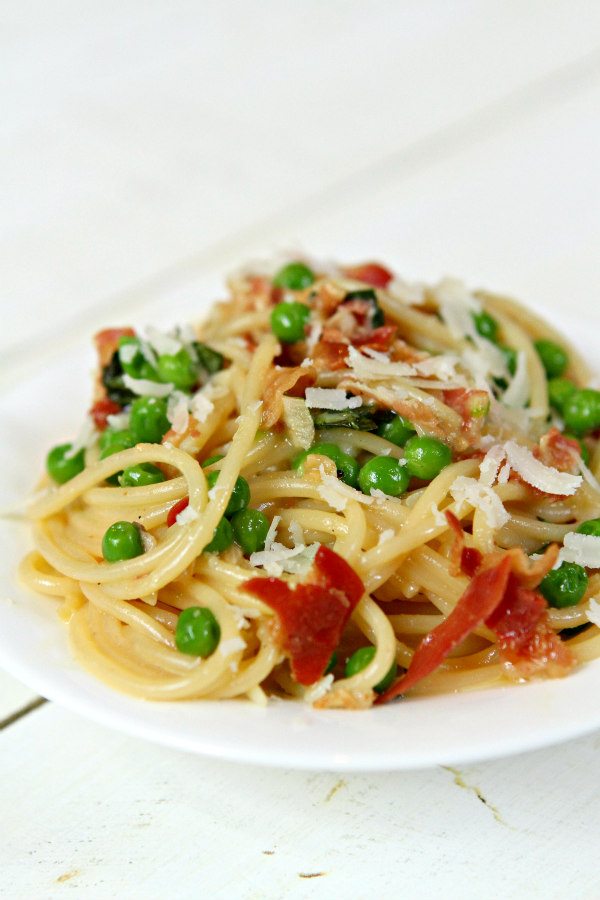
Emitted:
<point x="415" y="733"/>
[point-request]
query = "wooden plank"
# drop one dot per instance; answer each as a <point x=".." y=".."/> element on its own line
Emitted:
<point x="14" y="696"/>
<point x="104" y="813"/>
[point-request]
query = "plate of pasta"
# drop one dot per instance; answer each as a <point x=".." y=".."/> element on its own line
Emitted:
<point x="344" y="521"/>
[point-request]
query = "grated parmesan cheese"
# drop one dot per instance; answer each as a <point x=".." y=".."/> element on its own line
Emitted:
<point x="456" y="304"/>
<point x="177" y="412"/>
<point x="490" y="464"/>
<point x="118" y="421"/>
<point x="583" y="549"/>
<point x="231" y="646"/>
<point x="296" y="533"/>
<point x="201" y="406"/>
<point x="330" y="398"/>
<point x="375" y="367"/>
<point x="479" y="496"/>
<point x="438" y="516"/>
<point x="189" y="514"/>
<point x="534" y="472"/>
<point x="277" y="558"/>
<point x="385" y="536"/>
<point x="318" y="689"/>
<point x="336" y="493"/>
<point x="162" y="342"/>
<point x="272" y="532"/>
<point x="146" y="388"/>
<point x="517" y="393"/>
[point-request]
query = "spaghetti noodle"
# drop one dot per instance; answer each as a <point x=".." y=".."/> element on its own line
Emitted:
<point x="341" y="487"/>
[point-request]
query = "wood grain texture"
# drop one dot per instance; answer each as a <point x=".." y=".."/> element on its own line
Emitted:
<point x="102" y="812"/>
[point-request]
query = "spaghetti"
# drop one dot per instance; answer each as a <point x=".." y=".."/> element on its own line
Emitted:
<point x="341" y="487"/>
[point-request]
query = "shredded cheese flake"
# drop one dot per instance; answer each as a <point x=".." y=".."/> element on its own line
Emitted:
<point x="336" y="493"/>
<point x="143" y="387"/>
<point x="201" y="406"/>
<point x="177" y="412"/>
<point x="189" y="514"/>
<point x="480" y="496"/>
<point x="583" y="549"/>
<point x="545" y="478"/>
<point x="517" y="393"/>
<point x="330" y="398"/>
<point x="318" y="690"/>
<point x="231" y="646"/>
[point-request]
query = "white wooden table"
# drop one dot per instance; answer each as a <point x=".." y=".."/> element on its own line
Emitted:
<point x="148" y="145"/>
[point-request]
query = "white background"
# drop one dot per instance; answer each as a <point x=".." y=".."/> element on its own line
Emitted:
<point x="147" y="146"/>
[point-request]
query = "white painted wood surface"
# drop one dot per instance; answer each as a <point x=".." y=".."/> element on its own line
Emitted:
<point x="145" y="146"/>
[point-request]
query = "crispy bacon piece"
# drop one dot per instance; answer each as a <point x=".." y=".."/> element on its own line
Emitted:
<point x="371" y="273"/>
<point x="379" y="339"/>
<point x="101" y="410"/>
<point x="176" y="509"/>
<point x="559" y="451"/>
<point x="480" y="599"/>
<point x="291" y="380"/>
<point x="472" y="406"/>
<point x="526" y="642"/>
<point x="502" y="596"/>
<point x="464" y="559"/>
<point x="413" y="409"/>
<point x="107" y="342"/>
<point x="329" y="357"/>
<point x="313" y="615"/>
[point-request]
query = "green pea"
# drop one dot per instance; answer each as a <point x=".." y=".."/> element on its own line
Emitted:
<point x="426" y="457"/>
<point x="554" y="358"/>
<point x="140" y="475"/>
<point x="296" y="276"/>
<point x="559" y="391"/>
<point x="208" y="359"/>
<point x="197" y="631"/>
<point x="250" y="529"/>
<point x="510" y="358"/>
<point x="148" y="420"/>
<point x="222" y="537"/>
<point x="122" y="540"/>
<point x="137" y="366"/>
<point x="396" y="429"/>
<point x="346" y="465"/>
<point x="288" y="321"/>
<point x="240" y="496"/>
<point x="581" y="411"/>
<point x="486" y="325"/>
<point x="212" y="460"/>
<point x="177" y="369"/>
<point x="591" y="526"/>
<point x="113" y="441"/>
<point x="361" y="658"/>
<point x="62" y="465"/>
<point x="383" y="473"/>
<point x="564" y="586"/>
